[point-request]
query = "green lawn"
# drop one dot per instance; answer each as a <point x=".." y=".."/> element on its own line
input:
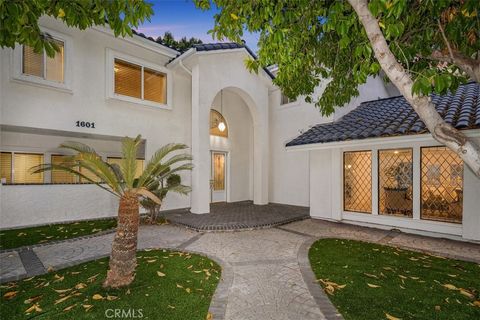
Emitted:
<point x="15" y="238"/>
<point x="369" y="281"/>
<point x="168" y="285"/>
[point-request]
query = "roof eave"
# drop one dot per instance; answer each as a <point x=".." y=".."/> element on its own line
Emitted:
<point x="472" y="133"/>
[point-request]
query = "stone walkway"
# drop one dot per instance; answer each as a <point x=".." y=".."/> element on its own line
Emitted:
<point x="266" y="274"/>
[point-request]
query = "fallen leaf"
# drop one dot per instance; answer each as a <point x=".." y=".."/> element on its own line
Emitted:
<point x="179" y="286"/>
<point x="111" y="298"/>
<point x="58" y="278"/>
<point x="452" y="275"/>
<point x="35" y="308"/>
<point x="477" y="303"/>
<point x="372" y="285"/>
<point x="467" y="293"/>
<point x="63" y="299"/>
<point x="87" y="306"/>
<point x="402" y="276"/>
<point x="70" y="307"/>
<point x="32" y="299"/>
<point x="188" y="290"/>
<point x="128" y="291"/>
<point x="97" y="296"/>
<point x="75" y="272"/>
<point x="437" y="308"/>
<point x="171" y="307"/>
<point x="450" y="286"/>
<point x="80" y="285"/>
<point x="151" y="261"/>
<point x="388" y="268"/>
<point x="390" y="317"/>
<point x="209" y="316"/>
<point x="10" y="295"/>
<point x="92" y="278"/>
<point x="61" y="290"/>
<point x="160" y="274"/>
<point x="370" y="275"/>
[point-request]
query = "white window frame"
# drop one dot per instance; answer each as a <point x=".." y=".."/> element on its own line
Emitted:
<point x="110" y="78"/>
<point x="293" y="103"/>
<point x="66" y="85"/>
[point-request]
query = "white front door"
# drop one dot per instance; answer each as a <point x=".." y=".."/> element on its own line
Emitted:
<point x="218" y="176"/>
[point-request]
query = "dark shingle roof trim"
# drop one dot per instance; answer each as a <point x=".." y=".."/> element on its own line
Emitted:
<point x="395" y="117"/>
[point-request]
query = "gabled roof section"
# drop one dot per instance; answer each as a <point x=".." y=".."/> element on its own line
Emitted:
<point x="395" y="117"/>
<point x="223" y="46"/>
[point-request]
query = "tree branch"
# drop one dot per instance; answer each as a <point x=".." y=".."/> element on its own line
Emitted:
<point x="441" y="131"/>
<point x="468" y="65"/>
<point x="445" y="39"/>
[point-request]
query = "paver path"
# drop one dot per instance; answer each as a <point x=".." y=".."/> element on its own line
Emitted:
<point x="265" y="272"/>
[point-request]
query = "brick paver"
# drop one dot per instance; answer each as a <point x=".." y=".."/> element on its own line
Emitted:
<point x="242" y="215"/>
<point x="266" y="273"/>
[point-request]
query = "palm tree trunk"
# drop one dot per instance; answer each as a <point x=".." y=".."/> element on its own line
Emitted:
<point x="123" y="258"/>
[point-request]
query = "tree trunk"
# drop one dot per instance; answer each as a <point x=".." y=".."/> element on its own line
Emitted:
<point x="123" y="258"/>
<point x="440" y="130"/>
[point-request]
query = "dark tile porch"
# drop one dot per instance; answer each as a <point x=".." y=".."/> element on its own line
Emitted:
<point x="242" y="215"/>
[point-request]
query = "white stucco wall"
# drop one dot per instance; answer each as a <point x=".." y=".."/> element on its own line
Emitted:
<point x="24" y="205"/>
<point x="291" y="170"/>
<point x="26" y="105"/>
<point x="326" y="190"/>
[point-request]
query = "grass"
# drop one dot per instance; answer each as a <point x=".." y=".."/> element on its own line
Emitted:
<point x="182" y="290"/>
<point x="369" y="281"/>
<point x="15" y="238"/>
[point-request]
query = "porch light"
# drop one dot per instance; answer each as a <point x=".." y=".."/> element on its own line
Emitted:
<point x="221" y="124"/>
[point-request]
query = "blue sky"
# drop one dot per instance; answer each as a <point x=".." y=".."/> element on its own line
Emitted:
<point x="182" y="18"/>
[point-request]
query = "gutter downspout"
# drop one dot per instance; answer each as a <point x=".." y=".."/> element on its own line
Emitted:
<point x="185" y="68"/>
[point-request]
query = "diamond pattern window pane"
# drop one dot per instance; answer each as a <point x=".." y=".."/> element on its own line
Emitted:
<point x="395" y="182"/>
<point x="357" y="181"/>
<point x="442" y="185"/>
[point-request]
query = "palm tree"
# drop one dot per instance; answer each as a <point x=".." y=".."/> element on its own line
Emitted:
<point x="171" y="183"/>
<point x="120" y="180"/>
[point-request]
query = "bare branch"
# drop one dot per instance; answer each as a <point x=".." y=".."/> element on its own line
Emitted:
<point x="445" y="39"/>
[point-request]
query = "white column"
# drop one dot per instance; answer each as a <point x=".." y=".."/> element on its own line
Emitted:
<point x="200" y="196"/>
<point x="416" y="182"/>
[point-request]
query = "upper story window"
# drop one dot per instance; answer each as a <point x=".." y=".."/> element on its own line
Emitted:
<point x="42" y="66"/>
<point x="286" y="100"/>
<point x="37" y="68"/>
<point x="138" y="81"/>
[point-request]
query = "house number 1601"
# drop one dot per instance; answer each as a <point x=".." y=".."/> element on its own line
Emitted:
<point x="85" y="124"/>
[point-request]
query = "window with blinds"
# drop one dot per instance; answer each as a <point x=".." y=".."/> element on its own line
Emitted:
<point x="22" y="164"/>
<point x="6" y="167"/>
<point x="59" y="176"/>
<point x="42" y="66"/>
<point x="118" y="161"/>
<point x="136" y="81"/>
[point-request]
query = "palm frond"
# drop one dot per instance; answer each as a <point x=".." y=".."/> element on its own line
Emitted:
<point x="95" y="165"/>
<point x="129" y="164"/>
<point x="78" y="147"/>
<point x="147" y="194"/>
<point x="50" y="166"/>
<point x="156" y="159"/>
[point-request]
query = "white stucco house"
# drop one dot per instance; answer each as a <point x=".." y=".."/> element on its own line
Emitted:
<point x="248" y="142"/>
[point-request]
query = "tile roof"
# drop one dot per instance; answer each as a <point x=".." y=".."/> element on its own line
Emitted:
<point x="394" y="117"/>
<point x="152" y="39"/>
<point x="226" y="46"/>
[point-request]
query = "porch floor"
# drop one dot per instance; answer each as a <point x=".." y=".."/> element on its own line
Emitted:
<point x="242" y="215"/>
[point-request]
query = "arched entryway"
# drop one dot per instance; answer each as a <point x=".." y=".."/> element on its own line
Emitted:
<point x="231" y="147"/>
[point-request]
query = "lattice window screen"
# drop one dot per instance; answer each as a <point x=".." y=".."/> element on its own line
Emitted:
<point x="395" y="182"/>
<point x="442" y="185"/>
<point x="357" y="181"/>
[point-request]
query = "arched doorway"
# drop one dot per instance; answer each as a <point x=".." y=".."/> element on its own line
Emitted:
<point x="231" y="148"/>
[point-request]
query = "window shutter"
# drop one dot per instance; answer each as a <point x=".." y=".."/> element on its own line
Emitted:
<point x="32" y="62"/>
<point x="23" y="162"/>
<point x="155" y="86"/>
<point x="6" y="166"/>
<point x="128" y="79"/>
<point x="59" y="176"/>
<point x="55" y="64"/>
